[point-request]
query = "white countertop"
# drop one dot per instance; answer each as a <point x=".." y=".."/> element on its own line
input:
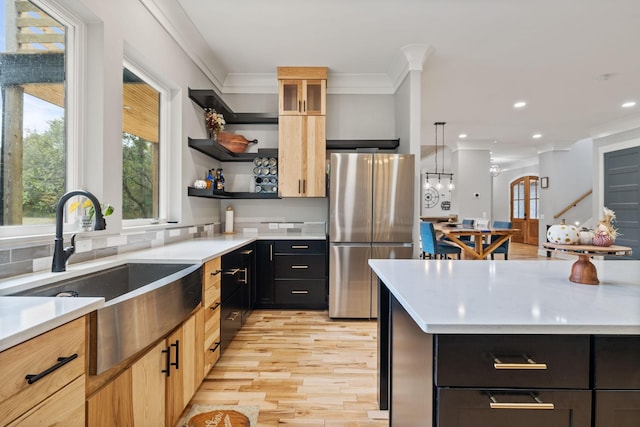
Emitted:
<point x="22" y="318"/>
<point x="514" y="297"/>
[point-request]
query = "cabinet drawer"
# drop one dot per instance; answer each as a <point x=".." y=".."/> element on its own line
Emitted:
<point x="300" y="246"/>
<point x="36" y="356"/>
<point x="472" y="408"/>
<point x="301" y="293"/>
<point x="211" y="282"/>
<point x="303" y="267"/>
<point x="532" y="361"/>
<point x="64" y="408"/>
<point x="211" y="337"/>
<point x="617" y="362"/>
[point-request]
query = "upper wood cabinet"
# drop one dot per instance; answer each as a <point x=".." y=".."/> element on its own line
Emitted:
<point x="302" y="126"/>
<point x="302" y="91"/>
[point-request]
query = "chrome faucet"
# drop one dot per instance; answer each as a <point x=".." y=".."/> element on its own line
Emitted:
<point x="61" y="254"/>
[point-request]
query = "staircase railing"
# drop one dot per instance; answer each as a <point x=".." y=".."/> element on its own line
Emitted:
<point x="573" y="204"/>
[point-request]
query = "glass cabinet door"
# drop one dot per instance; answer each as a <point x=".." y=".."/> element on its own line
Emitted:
<point x="313" y="100"/>
<point x="290" y="97"/>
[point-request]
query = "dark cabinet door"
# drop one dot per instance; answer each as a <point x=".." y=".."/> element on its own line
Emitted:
<point x="230" y="319"/>
<point x="247" y="279"/>
<point x="265" y="289"/>
<point x="617" y="408"/>
<point x="509" y="408"/>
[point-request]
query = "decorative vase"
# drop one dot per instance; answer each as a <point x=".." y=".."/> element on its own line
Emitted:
<point x="563" y="234"/>
<point x="213" y="135"/>
<point x="602" y="239"/>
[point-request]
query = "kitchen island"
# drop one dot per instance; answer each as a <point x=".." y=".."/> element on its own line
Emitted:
<point x="465" y="343"/>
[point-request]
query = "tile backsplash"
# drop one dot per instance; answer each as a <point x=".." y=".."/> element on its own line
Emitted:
<point x="23" y="258"/>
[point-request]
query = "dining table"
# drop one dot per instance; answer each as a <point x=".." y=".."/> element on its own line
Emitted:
<point x="478" y="250"/>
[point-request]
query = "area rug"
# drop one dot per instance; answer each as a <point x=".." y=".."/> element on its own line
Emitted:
<point x="222" y="415"/>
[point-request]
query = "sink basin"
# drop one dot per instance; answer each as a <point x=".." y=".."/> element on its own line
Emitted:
<point x="143" y="302"/>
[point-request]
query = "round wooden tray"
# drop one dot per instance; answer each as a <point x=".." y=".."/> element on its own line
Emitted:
<point x="583" y="271"/>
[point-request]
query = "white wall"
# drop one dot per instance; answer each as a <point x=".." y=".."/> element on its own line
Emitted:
<point x="570" y="176"/>
<point x="471" y="169"/>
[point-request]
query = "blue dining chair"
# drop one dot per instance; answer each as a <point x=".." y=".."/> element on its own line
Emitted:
<point x="503" y="248"/>
<point x="431" y="246"/>
<point x="468" y="223"/>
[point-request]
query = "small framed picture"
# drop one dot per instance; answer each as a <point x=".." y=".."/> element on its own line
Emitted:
<point x="544" y="182"/>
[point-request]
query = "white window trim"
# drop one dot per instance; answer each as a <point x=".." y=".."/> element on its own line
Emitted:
<point x="163" y="141"/>
<point x="75" y="48"/>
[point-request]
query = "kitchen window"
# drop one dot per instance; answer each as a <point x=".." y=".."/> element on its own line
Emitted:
<point x="142" y="148"/>
<point x="37" y="150"/>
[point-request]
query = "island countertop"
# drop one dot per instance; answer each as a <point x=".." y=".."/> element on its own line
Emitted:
<point x="514" y="297"/>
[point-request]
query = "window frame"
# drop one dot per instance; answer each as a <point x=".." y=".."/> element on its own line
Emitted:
<point x="163" y="142"/>
<point x="75" y="72"/>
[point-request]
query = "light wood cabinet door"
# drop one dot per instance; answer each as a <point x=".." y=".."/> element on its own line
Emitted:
<point x="60" y="352"/>
<point x="185" y="370"/>
<point x="302" y="156"/>
<point x="148" y="383"/>
<point x="112" y="404"/>
<point x="302" y="97"/>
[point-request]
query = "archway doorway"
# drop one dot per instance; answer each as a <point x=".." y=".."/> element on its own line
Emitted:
<point x="524" y="209"/>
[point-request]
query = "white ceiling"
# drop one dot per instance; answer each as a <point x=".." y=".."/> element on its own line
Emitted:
<point x="573" y="61"/>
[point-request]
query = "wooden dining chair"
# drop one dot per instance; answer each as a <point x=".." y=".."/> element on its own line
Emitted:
<point x="431" y="246"/>
<point x="503" y="248"/>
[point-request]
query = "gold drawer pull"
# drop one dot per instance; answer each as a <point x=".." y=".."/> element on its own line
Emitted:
<point x="538" y="404"/>
<point x="300" y="292"/>
<point x="299" y="267"/>
<point x="299" y="246"/>
<point x="529" y="365"/>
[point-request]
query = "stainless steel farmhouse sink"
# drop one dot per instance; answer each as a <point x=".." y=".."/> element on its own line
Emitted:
<point x="143" y="301"/>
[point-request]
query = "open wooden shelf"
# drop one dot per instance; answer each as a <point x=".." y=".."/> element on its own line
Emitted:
<point x="218" y="152"/>
<point x="219" y="194"/>
<point x="207" y="98"/>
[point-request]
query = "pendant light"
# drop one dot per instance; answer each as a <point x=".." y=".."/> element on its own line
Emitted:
<point x="439" y="172"/>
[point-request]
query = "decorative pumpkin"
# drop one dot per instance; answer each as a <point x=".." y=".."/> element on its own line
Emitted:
<point x="605" y="232"/>
<point x="563" y="234"/>
<point x="586" y="237"/>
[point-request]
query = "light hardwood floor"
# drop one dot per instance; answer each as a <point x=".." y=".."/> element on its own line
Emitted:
<point x="303" y="369"/>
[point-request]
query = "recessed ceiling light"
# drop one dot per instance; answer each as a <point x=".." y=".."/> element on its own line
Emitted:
<point x="519" y="104"/>
<point x="462" y="135"/>
<point x="536" y="136"/>
<point x="629" y="104"/>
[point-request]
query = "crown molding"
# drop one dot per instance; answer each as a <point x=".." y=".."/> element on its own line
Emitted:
<point x="172" y="18"/>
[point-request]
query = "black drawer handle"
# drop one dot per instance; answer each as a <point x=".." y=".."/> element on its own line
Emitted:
<point x="529" y="365"/>
<point x="215" y="347"/>
<point x="299" y="246"/>
<point x="215" y="306"/>
<point x="538" y="404"/>
<point x="32" y="378"/>
<point x="167" y="370"/>
<point x="215" y="273"/>
<point x="177" y="346"/>
<point x="300" y="292"/>
<point x="299" y="267"/>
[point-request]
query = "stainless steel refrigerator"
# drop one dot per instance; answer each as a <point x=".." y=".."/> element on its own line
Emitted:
<point x="370" y="216"/>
